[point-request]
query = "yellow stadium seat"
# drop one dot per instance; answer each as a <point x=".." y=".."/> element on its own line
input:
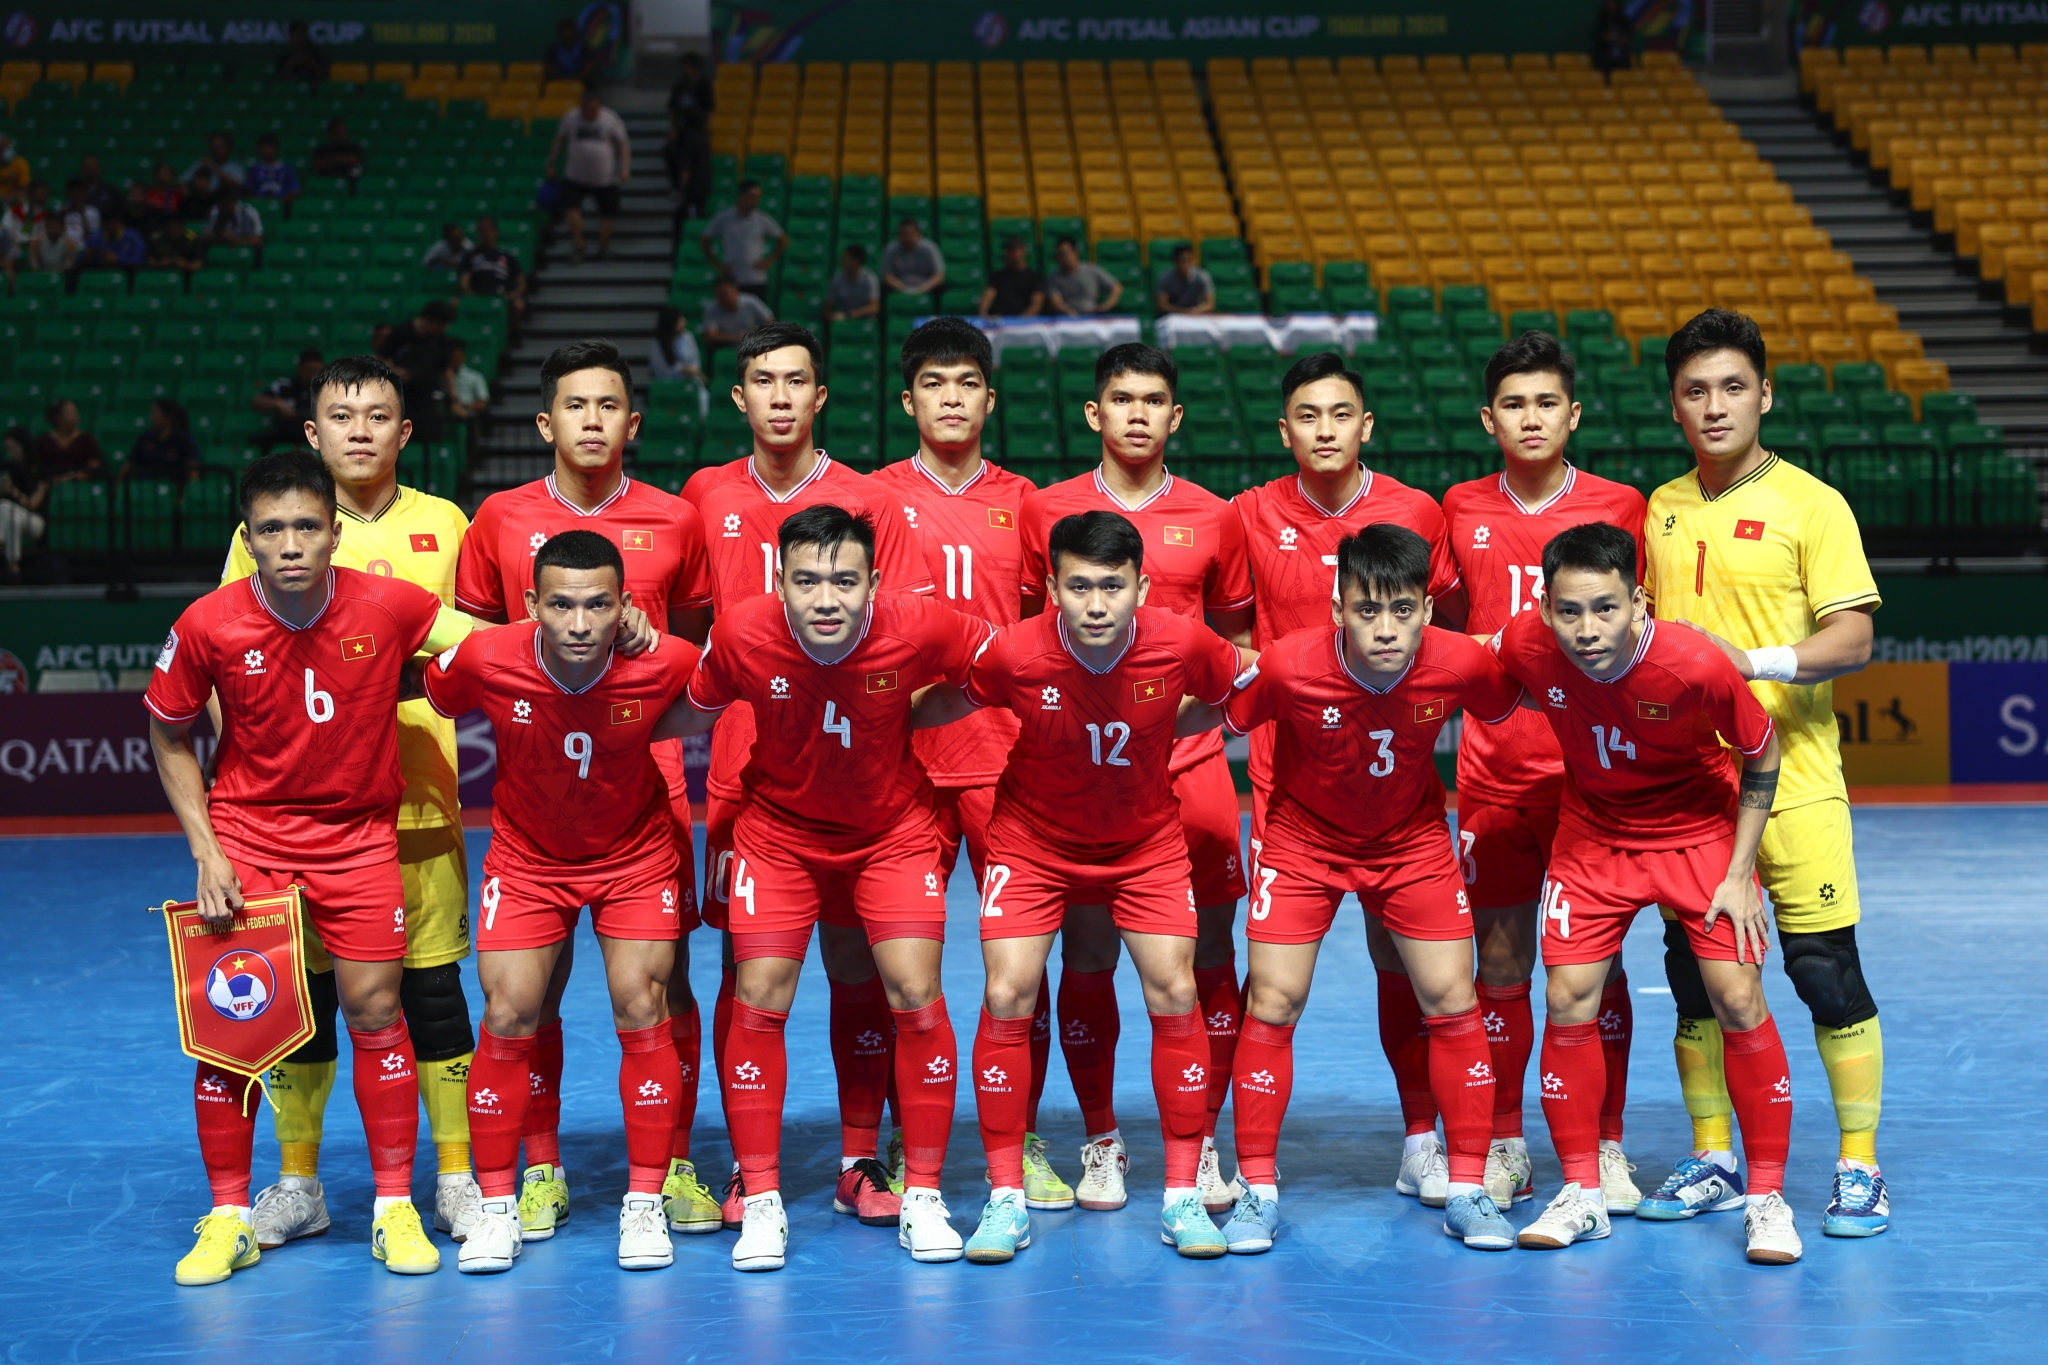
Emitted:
<point x="349" y="73"/>
<point x="73" y="74"/>
<point x="1571" y="296"/>
<point x="114" y="73"/>
<point x="1616" y="295"/>
<point x="1734" y="293"/>
<point x="1917" y="378"/>
<point x="1832" y="348"/>
<point x="1865" y="318"/>
<point x="2023" y="267"/>
<point x="1637" y="323"/>
<point x="1890" y="349"/>
<point x="533" y="71"/>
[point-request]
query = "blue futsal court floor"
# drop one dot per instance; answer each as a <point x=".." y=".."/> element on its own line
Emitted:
<point x="105" y="1179"/>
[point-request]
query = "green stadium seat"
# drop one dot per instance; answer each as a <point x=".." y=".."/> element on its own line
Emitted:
<point x="1481" y="323"/>
<point x="159" y="282"/>
<point x="102" y="282"/>
<point x="1874" y="407"/>
<point x="1232" y="298"/>
<point x="1464" y="298"/>
<point x="1353" y="298"/>
<point x="1794" y="379"/>
<point x="1852" y="375"/>
<point x="1942" y="408"/>
<point x="1052" y="229"/>
<point x="1820" y="408"/>
<point x="1588" y="322"/>
<point x="78" y="516"/>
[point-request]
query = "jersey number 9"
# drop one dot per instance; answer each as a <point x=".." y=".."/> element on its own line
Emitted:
<point x="576" y="747"/>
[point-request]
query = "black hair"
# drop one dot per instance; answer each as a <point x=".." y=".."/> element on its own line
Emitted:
<point x="1066" y="241"/>
<point x="857" y="251"/>
<point x="351" y="372"/>
<point x="1017" y="242"/>
<point x="665" y="319"/>
<point x="456" y="343"/>
<point x="1101" y="538"/>
<point x="1135" y="357"/>
<point x="286" y="471"/>
<point x="909" y="222"/>
<point x="53" y="409"/>
<point x="439" y="310"/>
<point x="773" y="336"/>
<point x="582" y="355"/>
<point x="947" y="339"/>
<point x="1714" y="330"/>
<point x="1317" y="366"/>
<point x="311" y="353"/>
<point x="578" y="550"/>
<point x="1594" y="547"/>
<point x="447" y="228"/>
<point x="745" y="185"/>
<point x="1179" y="247"/>
<point x="173" y="409"/>
<point x="270" y="138"/>
<point x="1530" y="353"/>
<point x="1384" y="556"/>
<point x="828" y="527"/>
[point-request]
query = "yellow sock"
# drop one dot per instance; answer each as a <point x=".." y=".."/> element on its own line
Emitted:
<point x="1854" y="1058"/>
<point x="1704" y="1084"/>
<point x="444" y="1090"/>
<point x="299" y="1091"/>
<point x="299" y="1158"/>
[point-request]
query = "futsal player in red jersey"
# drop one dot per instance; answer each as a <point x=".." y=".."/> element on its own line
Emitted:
<point x="1195" y="561"/>
<point x="1357" y="807"/>
<point x="580" y="816"/>
<point x="1651" y="812"/>
<point x="587" y="390"/>
<point x="743" y="504"/>
<point x="1086" y="812"/>
<point x="306" y="659"/>
<point x="1510" y="777"/>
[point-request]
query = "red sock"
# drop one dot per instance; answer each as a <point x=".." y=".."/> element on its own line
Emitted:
<point x="227" y="1135"/>
<point x="863" y="1036"/>
<point x="1002" y="1056"/>
<point x="1180" y="1083"/>
<point x="754" y="1081"/>
<point x="721" y="1029"/>
<point x="1461" y="1077"/>
<point x="499" y="1093"/>
<point x="1089" y="1026"/>
<point x="1510" y="1037"/>
<point x="1263" y="1073"/>
<point x="648" y="1080"/>
<point x="388" y="1094"/>
<point x="1041" y="1051"/>
<point x="1760" y="1089"/>
<point x="1574" y="1078"/>
<point x="542" y="1130"/>
<point x="1220" y="998"/>
<point x="1405" y="1039"/>
<point x="1617" y="1027"/>
<point x="687" y="1030"/>
<point x="925" y="1083"/>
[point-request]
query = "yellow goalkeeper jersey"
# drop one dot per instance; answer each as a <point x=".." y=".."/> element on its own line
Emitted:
<point x="417" y="539"/>
<point x="1760" y="565"/>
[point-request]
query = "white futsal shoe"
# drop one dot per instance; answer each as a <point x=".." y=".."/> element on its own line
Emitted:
<point x="764" y="1234"/>
<point x="1426" y="1173"/>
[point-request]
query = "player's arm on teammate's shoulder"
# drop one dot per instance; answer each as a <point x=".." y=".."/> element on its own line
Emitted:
<point x="637" y="634"/>
<point x="1840" y="645"/>
<point x="940" y="704"/>
<point x="177" y="767"/>
<point x="682" y="720"/>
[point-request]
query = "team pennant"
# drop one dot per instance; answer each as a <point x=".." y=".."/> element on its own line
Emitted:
<point x="1002" y="518"/>
<point x="882" y="682"/>
<point x="625" y="712"/>
<point x="358" y="647"/>
<point x="1429" y="710"/>
<point x="1653" y="710"/>
<point x="1749" y="530"/>
<point x="1180" y="535"/>
<point x="638" y="540"/>
<point x="240" y="986"/>
<point x="1152" y="689"/>
<point x="424" y="543"/>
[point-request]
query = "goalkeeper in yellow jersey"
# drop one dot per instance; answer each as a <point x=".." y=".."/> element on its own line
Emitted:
<point x="1766" y="556"/>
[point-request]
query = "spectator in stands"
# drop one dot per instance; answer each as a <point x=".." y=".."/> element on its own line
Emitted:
<point x="14" y="169"/>
<point x="116" y="246"/>
<point x="81" y="219"/>
<point x="1079" y="288"/>
<point x="171" y="247"/>
<point x="270" y="176"/>
<point x="288" y="402"/>
<point x="492" y="270"/>
<point x="338" y="158"/>
<point x="450" y="252"/>
<point x="165" y="196"/>
<point x="202" y="192"/>
<point x="1015" y="291"/>
<point x="419" y="350"/>
<point x="469" y="393"/>
<point x="166" y="450"/>
<point x="100" y="192"/>
<point x="567" y="58"/>
<point x="854" y="292"/>
<point x="37" y="203"/>
<point x="597" y="158"/>
<point x="300" y="60"/>
<point x="135" y="207"/>
<point x="23" y="494"/>
<point x="1185" y="287"/>
<point x="743" y="233"/>
<point x="1614" y="38"/>
<point x="673" y="353"/>
<point x="66" y="452"/>
<point x="234" y="223"/>
<point x="220" y="159"/>
<point x="730" y="314"/>
<point x="52" y="249"/>
<point x="687" y="152"/>
<point x="913" y="263"/>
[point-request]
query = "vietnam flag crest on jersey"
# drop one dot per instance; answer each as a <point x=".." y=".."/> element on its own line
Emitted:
<point x="1152" y="689"/>
<point x="1749" y="530"/>
<point x="625" y="712"/>
<point x="1002" y="519"/>
<point x="423" y="543"/>
<point x="1653" y="710"/>
<point x="1181" y="535"/>
<point x="1428" y="711"/>
<point x="637" y="540"/>
<point x="240" y="987"/>
<point x="358" y="647"/>
<point x="882" y="682"/>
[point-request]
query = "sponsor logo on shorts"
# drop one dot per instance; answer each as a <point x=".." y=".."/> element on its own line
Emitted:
<point x="931" y="883"/>
<point x="1827" y="893"/>
<point x="1464" y="904"/>
<point x="668" y="900"/>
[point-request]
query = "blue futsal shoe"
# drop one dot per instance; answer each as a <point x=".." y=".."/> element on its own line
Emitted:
<point x="1475" y="1220"/>
<point x="1186" y="1226"/>
<point x="1252" y="1225"/>
<point x="1005" y="1230"/>
<point x="1694" y="1186"/>
<point x="1861" y="1207"/>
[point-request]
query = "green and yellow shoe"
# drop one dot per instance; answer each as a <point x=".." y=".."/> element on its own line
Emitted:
<point x="226" y="1244"/>
<point x="1043" y="1188"/>
<point x="398" y="1240"/>
<point x="543" y="1202"/>
<point x="687" y="1200"/>
<point x="896" y="1162"/>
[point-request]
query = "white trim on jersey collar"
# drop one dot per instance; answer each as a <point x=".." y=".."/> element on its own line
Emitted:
<point x="1642" y="648"/>
<point x="867" y="622"/>
<point x="1150" y="498"/>
<point x="1345" y="664"/>
<point x="256" y="582"/>
<point x="1364" y="488"/>
<point x="625" y="482"/>
<point x="1571" y="476"/>
<point x="1130" y="638"/>
<point x="940" y="483"/>
<point x="824" y="462"/>
<point x="549" y="674"/>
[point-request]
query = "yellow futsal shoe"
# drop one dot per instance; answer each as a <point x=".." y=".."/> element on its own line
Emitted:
<point x="689" y="1204"/>
<point x="543" y="1202"/>
<point x="398" y="1240"/>
<point x="226" y="1244"/>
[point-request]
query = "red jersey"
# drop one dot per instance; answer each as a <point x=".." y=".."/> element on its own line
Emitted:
<point x="745" y="517"/>
<point x="1353" y="759"/>
<point x="1499" y="546"/>
<point x="660" y="537"/>
<point x="832" y="757"/>
<point x="1092" y="766"/>
<point x="577" y="784"/>
<point x="1643" y="760"/>
<point x="1194" y="555"/>
<point x="974" y="555"/>
<point x="308" y="771"/>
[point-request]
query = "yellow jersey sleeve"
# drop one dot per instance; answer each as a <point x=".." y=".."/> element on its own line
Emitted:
<point x="1833" y="568"/>
<point x="239" y="564"/>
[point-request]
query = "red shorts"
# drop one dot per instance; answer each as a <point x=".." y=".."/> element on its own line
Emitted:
<point x="668" y="757"/>
<point x="1594" y="891"/>
<point x="1209" y="824"/>
<point x="527" y="907"/>
<point x="1029" y="884"/>
<point x="359" y="912"/>
<point x="783" y="880"/>
<point x="963" y="814"/>
<point x="1413" y="887"/>
<point x="1502" y="851"/>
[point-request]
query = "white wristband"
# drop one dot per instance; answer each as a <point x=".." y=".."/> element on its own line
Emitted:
<point x="1774" y="663"/>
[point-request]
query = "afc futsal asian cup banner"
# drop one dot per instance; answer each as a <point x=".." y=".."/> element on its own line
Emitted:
<point x="240" y="986"/>
<point x="240" y="31"/>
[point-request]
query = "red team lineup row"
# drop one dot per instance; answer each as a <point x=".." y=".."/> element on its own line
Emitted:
<point x="940" y="655"/>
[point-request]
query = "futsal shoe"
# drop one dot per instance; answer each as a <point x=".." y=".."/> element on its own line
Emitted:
<point x="925" y="1230"/>
<point x="1510" y="1176"/>
<point x="457" y="1205"/>
<point x="643" y="1234"/>
<point x="1005" y="1230"/>
<point x="1695" y="1186"/>
<point x="1252" y="1225"/>
<point x="1103" y="1165"/>
<point x="1186" y="1226"/>
<point x="1218" y="1195"/>
<point x="1574" y="1216"/>
<point x="732" y="1210"/>
<point x="226" y="1244"/>
<point x="1043" y="1188"/>
<point x="1426" y="1173"/>
<point x="295" y="1207"/>
<point x="1617" y="1191"/>
<point x="494" y="1239"/>
<point x="689" y="1205"/>
<point x="764" y="1234"/>
<point x="1773" y="1238"/>
<point x="863" y="1191"/>
<point x="398" y="1240"/>
<point x="896" y="1161"/>
<point x="1861" y="1206"/>
<point x="543" y="1201"/>
<point x="1475" y="1220"/>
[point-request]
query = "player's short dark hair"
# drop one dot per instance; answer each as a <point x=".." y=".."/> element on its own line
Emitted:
<point x="773" y="336"/>
<point x="1065" y="240"/>
<point x="1101" y="538"/>
<point x="578" y="550"/>
<point x="350" y="372"/>
<point x="1594" y="547"/>
<point x="857" y="251"/>
<point x="1135" y="357"/>
<point x="286" y="471"/>
<point x="745" y="185"/>
<point x="1384" y="556"/>
<point x="1319" y="365"/>
<point x="592" y="354"/>
<point x="947" y="339"/>
<point x="1714" y="330"/>
<point x="1530" y="353"/>
<point x="828" y="527"/>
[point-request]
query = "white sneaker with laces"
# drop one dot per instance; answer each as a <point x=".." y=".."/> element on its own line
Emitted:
<point x="1103" y="1165"/>
<point x="925" y="1229"/>
<point x="494" y="1239"/>
<point x="643" y="1234"/>
<point x="764" y="1234"/>
<point x="458" y="1203"/>
<point x="296" y="1206"/>
<point x="1510" y="1176"/>
<point x="1617" y="1191"/>
<point x="1426" y="1174"/>
<point x="1218" y="1195"/>
<point x="1773" y="1237"/>
<point x="1574" y="1216"/>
